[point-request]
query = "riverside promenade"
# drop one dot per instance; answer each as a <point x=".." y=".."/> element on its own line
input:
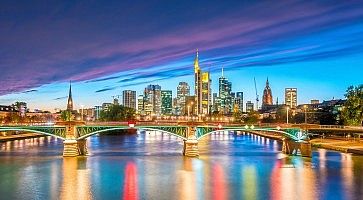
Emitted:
<point x="343" y="145"/>
<point x="350" y="145"/>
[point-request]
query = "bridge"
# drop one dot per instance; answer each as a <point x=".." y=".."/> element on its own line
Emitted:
<point x="75" y="133"/>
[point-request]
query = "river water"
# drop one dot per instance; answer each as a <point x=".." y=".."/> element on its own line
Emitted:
<point x="150" y="165"/>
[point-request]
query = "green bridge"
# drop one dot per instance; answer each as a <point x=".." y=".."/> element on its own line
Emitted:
<point x="74" y="134"/>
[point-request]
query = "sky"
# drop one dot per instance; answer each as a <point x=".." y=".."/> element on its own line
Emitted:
<point x="105" y="47"/>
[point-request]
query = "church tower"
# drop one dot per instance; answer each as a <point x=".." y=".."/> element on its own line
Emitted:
<point x="70" y="100"/>
<point x="267" y="95"/>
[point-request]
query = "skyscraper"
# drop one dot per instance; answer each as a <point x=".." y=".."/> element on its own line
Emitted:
<point x="166" y="102"/>
<point x="152" y="101"/>
<point x="140" y="104"/>
<point x="225" y="97"/>
<point x="183" y="90"/>
<point x="238" y="102"/>
<point x="70" y="100"/>
<point x="249" y="106"/>
<point x="291" y="97"/>
<point x="202" y="88"/>
<point x="129" y="98"/>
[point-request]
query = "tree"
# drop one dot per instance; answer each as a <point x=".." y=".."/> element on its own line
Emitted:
<point x="117" y="113"/>
<point x="12" y="118"/>
<point x="281" y="114"/>
<point x="252" y="117"/>
<point x="237" y="116"/>
<point x="66" y="115"/>
<point x="352" y="112"/>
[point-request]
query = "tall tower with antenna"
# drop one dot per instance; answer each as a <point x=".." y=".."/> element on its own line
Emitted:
<point x="257" y="99"/>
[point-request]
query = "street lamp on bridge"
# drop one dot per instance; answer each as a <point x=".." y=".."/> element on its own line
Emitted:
<point x="287" y="114"/>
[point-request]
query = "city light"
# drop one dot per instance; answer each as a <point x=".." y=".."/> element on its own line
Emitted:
<point x="181" y="100"/>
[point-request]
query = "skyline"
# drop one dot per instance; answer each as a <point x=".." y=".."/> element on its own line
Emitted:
<point x="248" y="39"/>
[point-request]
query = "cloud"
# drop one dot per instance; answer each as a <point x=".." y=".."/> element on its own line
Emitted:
<point x="73" y="42"/>
<point x="105" y="89"/>
<point x="60" y="98"/>
<point x="29" y="91"/>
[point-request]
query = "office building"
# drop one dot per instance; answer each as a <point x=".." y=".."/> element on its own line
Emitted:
<point x="238" y="102"/>
<point x="202" y="91"/>
<point x="291" y="97"/>
<point x="166" y="102"/>
<point x="152" y="100"/>
<point x="225" y="98"/>
<point x="129" y="99"/>
<point x="183" y="90"/>
<point x="249" y="106"/>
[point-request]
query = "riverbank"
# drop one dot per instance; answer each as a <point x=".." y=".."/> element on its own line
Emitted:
<point x="346" y="146"/>
<point x="19" y="136"/>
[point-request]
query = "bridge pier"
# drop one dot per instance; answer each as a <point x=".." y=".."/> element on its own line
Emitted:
<point x="70" y="148"/>
<point x="82" y="147"/>
<point x="74" y="148"/>
<point x="291" y="147"/>
<point x="190" y="148"/>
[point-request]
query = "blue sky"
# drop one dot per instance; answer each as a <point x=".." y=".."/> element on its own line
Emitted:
<point x="105" y="48"/>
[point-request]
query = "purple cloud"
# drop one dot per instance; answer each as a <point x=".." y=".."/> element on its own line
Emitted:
<point x="90" y="42"/>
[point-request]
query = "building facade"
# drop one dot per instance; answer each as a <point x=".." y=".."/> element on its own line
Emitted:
<point x="291" y="97"/>
<point x="183" y="90"/>
<point x="267" y="96"/>
<point x="238" y="102"/>
<point x="191" y="105"/>
<point x="249" y="106"/>
<point x="225" y="95"/>
<point x="202" y="82"/>
<point x="129" y="99"/>
<point x="166" y="102"/>
<point x="152" y="100"/>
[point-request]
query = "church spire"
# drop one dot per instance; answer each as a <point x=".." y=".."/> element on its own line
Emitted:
<point x="196" y="62"/>
<point x="70" y="100"/>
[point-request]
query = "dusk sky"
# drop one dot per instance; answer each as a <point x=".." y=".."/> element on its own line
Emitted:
<point x="105" y="47"/>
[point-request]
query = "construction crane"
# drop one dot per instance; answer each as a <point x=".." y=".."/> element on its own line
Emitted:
<point x="257" y="100"/>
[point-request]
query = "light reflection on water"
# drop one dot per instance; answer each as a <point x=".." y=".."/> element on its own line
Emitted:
<point x="150" y="166"/>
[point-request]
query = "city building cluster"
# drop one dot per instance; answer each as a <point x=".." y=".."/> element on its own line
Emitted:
<point x="202" y="103"/>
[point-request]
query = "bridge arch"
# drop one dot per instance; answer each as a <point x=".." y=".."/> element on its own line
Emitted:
<point x="249" y="130"/>
<point x="123" y="128"/>
<point x="31" y="131"/>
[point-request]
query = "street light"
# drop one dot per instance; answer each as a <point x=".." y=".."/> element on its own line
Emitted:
<point x="82" y="106"/>
<point x="305" y="107"/>
<point x="287" y="114"/>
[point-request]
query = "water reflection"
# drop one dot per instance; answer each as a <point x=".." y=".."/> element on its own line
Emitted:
<point x="250" y="178"/>
<point x="76" y="180"/>
<point x="186" y="181"/>
<point x="130" y="190"/>
<point x="149" y="165"/>
<point x="219" y="183"/>
<point x="347" y="174"/>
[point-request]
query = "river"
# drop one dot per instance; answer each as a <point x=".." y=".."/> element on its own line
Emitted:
<point x="149" y="165"/>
